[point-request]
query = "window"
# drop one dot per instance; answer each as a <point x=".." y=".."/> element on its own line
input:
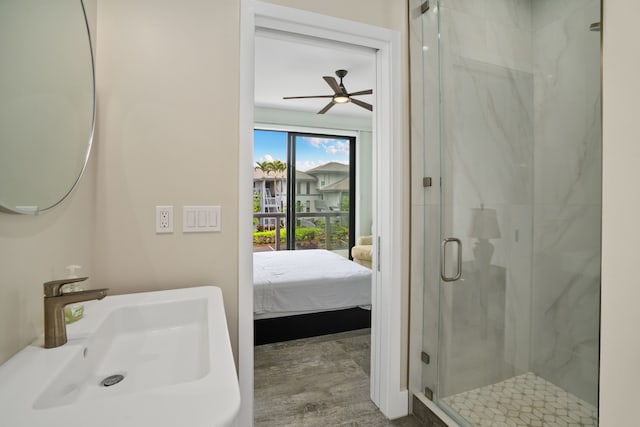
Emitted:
<point x="325" y="219"/>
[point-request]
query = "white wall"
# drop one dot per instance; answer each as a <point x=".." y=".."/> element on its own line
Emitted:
<point x="383" y="13"/>
<point x="364" y="183"/>
<point x="620" y="343"/>
<point x="167" y="80"/>
<point x="34" y="250"/>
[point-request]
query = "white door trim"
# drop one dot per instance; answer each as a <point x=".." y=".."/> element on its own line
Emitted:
<point x="388" y="198"/>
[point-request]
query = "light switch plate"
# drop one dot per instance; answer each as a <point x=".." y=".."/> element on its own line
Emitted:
<point x="200" y="219"/>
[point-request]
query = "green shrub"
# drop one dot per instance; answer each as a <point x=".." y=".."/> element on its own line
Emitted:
<point x="268" y="237"/>
<point x="339" y="236"/>
<point x="309" y="234"/>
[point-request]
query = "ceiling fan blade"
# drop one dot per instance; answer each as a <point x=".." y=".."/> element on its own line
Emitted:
<point x="326" y="108"/>
<point x="362" y="104"/>
<point x="362" y="92"/>
<point x="333" y="84"/>
<point x="314" y="96"/>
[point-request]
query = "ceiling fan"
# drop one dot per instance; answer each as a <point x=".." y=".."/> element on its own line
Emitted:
<point x="340" y="96"/>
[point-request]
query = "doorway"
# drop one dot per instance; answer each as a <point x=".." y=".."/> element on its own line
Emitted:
<point x="386" y="346"/>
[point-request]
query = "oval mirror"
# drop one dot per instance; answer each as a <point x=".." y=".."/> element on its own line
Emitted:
<point x="47" y="102"/>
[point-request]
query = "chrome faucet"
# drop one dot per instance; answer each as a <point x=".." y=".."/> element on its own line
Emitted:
<point x="55" y="330"/>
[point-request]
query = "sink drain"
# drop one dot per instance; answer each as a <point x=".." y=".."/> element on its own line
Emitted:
<point x="111" y="380"/>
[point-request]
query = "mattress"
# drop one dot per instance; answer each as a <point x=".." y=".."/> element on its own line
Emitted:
<point x="307" y="281"/>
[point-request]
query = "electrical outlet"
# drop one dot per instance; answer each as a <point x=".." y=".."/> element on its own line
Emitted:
<point x="164" y="219"/>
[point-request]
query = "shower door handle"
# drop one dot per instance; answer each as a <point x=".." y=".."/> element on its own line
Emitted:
<point x="443" y="260"/>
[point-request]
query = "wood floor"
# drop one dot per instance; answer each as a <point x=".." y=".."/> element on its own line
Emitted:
<point x="319" y="381"/>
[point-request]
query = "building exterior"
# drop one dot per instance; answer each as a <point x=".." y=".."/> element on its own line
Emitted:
<point x="319" y="189"/>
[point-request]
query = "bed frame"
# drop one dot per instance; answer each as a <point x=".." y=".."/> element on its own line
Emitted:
<point x="279" y="329"/>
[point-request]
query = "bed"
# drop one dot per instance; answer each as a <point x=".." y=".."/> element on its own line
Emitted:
<point x="308" y="292"/>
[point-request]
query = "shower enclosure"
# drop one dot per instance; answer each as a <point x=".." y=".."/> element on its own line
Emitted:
<point x="507" y="124"/>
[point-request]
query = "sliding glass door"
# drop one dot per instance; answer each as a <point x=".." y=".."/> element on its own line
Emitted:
<point x="321" y="181"/>
<point x="304" y="191"/>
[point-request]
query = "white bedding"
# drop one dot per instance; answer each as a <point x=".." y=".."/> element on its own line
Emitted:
<point x="306" y="281"/>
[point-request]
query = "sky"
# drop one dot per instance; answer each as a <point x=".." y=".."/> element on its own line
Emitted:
<point x="310" y="151"/>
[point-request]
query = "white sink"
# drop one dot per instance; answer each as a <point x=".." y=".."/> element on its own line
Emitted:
<point x="169" y="349"/>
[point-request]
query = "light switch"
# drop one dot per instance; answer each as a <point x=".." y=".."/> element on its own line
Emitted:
<point x="190" y="218"/>
<point x="214" y="218"/>
<point x="201" y="219"/>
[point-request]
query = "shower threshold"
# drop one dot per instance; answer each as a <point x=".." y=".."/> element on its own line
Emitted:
<point x="524" y="400"/>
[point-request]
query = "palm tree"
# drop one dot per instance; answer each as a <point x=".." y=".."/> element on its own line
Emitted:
<point x="279" y="168"/>
<point x="266" y="168"/>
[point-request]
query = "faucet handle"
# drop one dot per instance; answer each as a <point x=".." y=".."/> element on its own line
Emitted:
<point x="52" y="289"/>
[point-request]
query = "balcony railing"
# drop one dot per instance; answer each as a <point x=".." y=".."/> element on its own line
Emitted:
<point x="331" y="219"/>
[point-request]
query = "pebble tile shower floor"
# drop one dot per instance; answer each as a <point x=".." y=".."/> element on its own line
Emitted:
<point x="525" y="400"/>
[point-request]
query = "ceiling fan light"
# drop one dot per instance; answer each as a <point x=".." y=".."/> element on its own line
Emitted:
<point x="340" y="99"/>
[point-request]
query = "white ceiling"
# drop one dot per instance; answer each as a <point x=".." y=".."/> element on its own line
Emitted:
<point x="293" y="66"/>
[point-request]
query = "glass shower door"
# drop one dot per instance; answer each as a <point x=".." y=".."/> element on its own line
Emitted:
<point x="518" y="131"/>
<point x="485" y="210"/>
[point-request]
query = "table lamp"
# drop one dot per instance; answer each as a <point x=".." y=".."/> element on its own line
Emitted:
<point x="484" y="226"/>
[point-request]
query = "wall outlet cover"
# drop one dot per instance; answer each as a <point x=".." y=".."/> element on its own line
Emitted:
<point x="164" y="219"/>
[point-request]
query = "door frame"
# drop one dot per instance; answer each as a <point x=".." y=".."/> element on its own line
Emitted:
<point x="388" y="197"/>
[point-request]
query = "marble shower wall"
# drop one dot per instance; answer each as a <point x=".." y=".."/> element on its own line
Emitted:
<point x="487" y="90"/>
<point x="567" y="210"/>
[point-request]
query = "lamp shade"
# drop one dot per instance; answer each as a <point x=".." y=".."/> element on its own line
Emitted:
<point x="484" y="224"/>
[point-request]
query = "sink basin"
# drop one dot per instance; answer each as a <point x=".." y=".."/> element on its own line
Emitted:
<point x="157" y="358"/>
<point x="150" y="346"/>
